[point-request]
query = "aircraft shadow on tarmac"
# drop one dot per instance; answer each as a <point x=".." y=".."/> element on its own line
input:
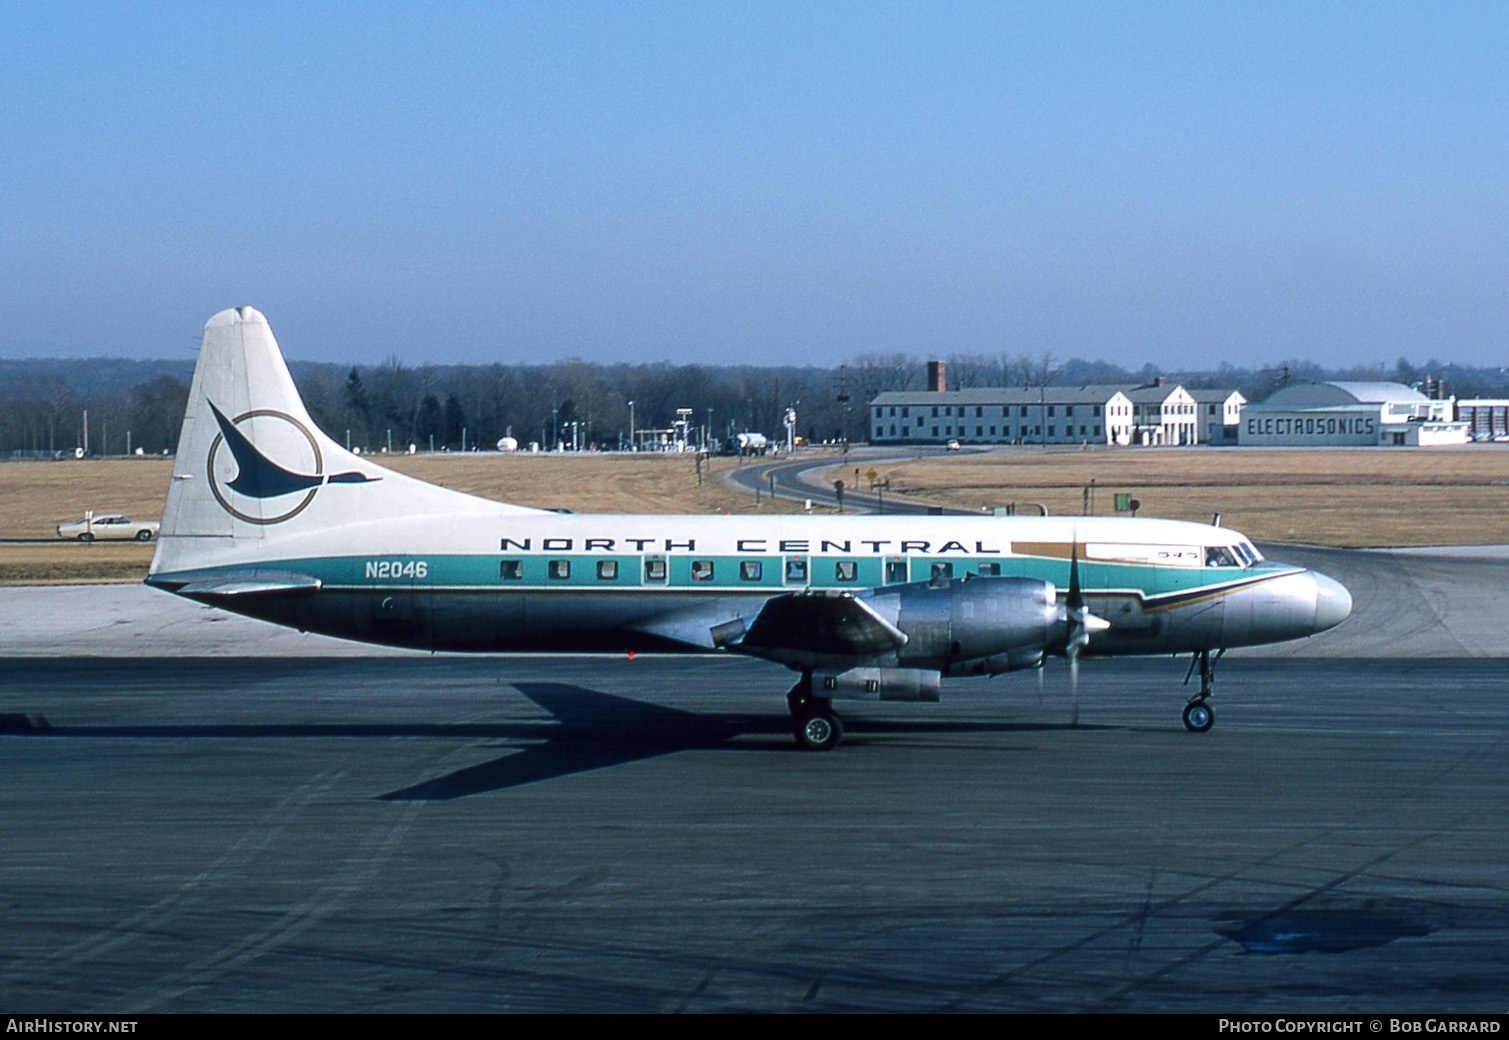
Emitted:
<point x="587" y="730"/>
<point x="596" y="730"/>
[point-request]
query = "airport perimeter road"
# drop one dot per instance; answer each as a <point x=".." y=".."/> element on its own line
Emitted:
<point x="253" y="830"/>
<point x="803" y="477"/>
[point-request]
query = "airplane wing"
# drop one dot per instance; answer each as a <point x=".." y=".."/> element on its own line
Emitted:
<point x="804" y="629"/>
<point x="820" y="622"/>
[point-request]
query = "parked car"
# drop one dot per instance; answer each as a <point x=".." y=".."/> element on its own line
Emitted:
<point x="951" y="446"/>
<point x="111" y="526"/>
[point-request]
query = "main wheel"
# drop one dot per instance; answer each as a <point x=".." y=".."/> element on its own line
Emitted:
<point x="143" y="536"/>
<point x="1199" y="716"/>
<point x="818" y="731"/>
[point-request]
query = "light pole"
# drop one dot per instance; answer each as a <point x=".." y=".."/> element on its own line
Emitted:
<point x="631" y="425"/>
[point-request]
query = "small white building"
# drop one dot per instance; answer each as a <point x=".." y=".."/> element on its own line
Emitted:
<point x="1350" y="414"/>
<point x="1487" y="418"/>
<point x="1218" y="415"/>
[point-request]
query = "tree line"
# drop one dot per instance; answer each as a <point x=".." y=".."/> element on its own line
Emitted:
<point x="139" y="404"/>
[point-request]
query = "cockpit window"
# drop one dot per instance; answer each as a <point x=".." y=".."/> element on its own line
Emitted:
<point x="1220" y="556"/>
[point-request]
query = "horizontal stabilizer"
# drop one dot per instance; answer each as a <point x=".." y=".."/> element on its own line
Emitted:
<point x="239" y="584"/>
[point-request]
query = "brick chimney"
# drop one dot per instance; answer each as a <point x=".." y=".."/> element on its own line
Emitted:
<point x="937" y="377"/>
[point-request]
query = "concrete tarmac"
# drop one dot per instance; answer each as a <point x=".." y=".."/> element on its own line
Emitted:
<point x="203" y="813"/>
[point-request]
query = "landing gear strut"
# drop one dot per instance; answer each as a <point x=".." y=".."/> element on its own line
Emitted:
<point x="1198" y="714"/>
<point x="813" y="721"/>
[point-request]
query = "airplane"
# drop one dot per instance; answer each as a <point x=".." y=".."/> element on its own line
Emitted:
<point x="269" y="517"/>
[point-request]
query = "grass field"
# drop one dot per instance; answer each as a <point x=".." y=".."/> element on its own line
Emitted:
<point x="1342" y="497"/>
<point x="36" y="496"/>
<point x="1339" y="497"/>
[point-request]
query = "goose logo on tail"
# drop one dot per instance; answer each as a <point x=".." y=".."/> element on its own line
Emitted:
<point x="258" y="477"/>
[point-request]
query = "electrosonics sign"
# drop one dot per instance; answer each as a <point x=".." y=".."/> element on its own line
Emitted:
<point x="1309" y="428"/>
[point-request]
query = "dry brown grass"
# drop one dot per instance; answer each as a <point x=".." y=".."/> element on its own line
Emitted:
<point x="1341" y="497"/>
<point x="36" y="496"/>
<point x="590" y="483"/>
<point x="1361" y="497"/>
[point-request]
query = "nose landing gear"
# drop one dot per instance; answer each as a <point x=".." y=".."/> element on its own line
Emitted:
<point x="1198" y="714"/>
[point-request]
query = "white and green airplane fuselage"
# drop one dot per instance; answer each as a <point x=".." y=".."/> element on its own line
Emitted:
<point x="269" y="517"/>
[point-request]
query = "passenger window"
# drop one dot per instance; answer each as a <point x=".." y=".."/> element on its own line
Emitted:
<point x="943" y="571"/>
<point x="989" y="570"/>
<point x="560" y="570"/>
<point x="607" y="570"/>
<point x="846" y="570"/>
<point x="702" y="570"/>
<point x="511" y="570"/>
<point x="750" y="570"/>
<point x="796" y="572"/>
<point x="654" y="570"/>
<point x="895" y="572"/>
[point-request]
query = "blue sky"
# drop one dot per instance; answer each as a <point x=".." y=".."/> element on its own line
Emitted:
<point x="1180" y="184"/>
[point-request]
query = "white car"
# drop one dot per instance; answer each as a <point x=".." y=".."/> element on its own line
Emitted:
<point x="951" y="446"/>
<point x="111" y="526"/>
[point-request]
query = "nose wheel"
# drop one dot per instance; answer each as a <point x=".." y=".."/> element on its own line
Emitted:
<point x="1199" y="716"/>
<point x="814" y="723"/>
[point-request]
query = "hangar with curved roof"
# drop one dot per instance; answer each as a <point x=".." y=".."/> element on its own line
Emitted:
<point x="1350" y="414"/>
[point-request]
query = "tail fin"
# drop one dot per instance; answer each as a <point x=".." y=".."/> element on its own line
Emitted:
<point x="252" y="467"/>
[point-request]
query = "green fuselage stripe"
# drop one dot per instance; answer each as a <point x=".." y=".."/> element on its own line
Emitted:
<point x="696" y="572"/>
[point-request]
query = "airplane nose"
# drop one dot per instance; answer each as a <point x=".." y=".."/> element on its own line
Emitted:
<point x="1332" y="602"/>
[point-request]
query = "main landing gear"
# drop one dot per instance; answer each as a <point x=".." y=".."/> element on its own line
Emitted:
<point x="1198" y="714"/>
<point x="814" y="723"/>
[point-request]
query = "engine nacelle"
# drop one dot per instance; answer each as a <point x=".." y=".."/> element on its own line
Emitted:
<point x="980" y="626"/>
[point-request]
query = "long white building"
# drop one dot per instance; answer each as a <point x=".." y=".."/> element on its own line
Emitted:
<point x="1155" y="414"/>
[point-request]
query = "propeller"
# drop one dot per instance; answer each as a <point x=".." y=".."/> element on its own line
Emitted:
<point x="1081" y="625"/>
